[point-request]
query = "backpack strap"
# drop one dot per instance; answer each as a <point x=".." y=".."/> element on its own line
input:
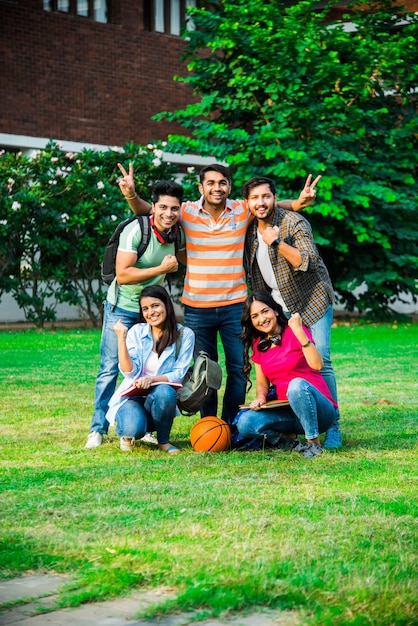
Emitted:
<point x="177" y="240"/>
<point x="143" y="221"/>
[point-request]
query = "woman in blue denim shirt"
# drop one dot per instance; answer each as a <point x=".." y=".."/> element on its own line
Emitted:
<point x="149" y="353"/>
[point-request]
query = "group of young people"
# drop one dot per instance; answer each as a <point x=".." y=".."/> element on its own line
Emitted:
<point x="230" y="248"/>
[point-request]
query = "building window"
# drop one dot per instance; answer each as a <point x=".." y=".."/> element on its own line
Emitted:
<point x="167" y="16"/>
<point x="96" y="10"/>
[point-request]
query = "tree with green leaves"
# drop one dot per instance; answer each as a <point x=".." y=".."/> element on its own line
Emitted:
<point x="284" y="91"/>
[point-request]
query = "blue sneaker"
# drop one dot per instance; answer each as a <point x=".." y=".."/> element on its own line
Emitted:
<point x="333" y="438"/>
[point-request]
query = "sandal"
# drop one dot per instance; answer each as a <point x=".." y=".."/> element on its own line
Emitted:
<point x="170" y="450"/>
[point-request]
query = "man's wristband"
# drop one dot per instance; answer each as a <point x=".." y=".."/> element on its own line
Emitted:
<point x="131" y="197"/>
<point x="277" y="241"/>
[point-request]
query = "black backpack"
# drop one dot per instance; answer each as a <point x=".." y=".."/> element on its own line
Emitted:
<point x="109" y="257"/>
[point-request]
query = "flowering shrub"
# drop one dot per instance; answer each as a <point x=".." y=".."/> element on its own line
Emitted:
<point x="57" y="212"/>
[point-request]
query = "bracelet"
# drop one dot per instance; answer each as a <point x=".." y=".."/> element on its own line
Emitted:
<point x="276" y="241"/>
<point x="131" y="197"/>
<point x="305" y="345"/>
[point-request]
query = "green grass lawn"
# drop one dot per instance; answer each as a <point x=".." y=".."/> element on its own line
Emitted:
<point x="333" y="539"/>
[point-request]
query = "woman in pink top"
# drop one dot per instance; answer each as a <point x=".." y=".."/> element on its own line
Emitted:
<point x="285" y="356"/>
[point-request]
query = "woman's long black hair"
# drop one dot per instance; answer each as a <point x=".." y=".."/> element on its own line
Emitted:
<point x="249" y="333"/>
<point x="169" y="334"/>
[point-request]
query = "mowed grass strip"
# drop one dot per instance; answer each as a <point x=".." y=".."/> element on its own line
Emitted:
<point x="333" y="539"/>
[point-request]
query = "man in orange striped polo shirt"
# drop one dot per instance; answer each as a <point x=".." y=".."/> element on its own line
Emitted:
<point x="215" y="285"/>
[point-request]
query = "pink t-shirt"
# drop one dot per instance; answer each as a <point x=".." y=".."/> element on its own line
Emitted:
<point x="281" y="364"/>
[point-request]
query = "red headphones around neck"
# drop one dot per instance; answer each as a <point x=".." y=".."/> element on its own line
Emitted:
<point x="162" y="235"/>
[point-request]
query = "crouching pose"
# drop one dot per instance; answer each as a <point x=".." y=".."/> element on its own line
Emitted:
<point x="150" y="352"/>
<point x="285" y="356"/>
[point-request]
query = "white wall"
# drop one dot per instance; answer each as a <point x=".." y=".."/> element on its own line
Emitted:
<point x="10" y="312"/>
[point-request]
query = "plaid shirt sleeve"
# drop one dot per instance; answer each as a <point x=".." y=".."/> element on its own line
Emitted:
<point x="298" y="233"/>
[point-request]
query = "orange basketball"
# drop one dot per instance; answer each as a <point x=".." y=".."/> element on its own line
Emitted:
<point x="210" y="434"/>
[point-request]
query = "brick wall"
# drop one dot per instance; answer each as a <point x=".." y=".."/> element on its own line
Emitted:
<point x="68" y="77"/>
<point x="71" y="78"/>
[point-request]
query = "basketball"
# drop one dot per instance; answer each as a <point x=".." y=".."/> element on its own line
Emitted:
<point x="210" y="434"/>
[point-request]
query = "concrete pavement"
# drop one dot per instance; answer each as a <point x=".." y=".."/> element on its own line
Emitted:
<point x="32" y="601"/>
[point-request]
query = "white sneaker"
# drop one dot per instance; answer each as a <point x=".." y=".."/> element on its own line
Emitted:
<point x="94" y="440"/>
<point x="150" y="438"/>
<point x="127" y="443"/>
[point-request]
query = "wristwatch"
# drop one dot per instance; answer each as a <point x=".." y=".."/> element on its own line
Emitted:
<point x="277" y="241"/>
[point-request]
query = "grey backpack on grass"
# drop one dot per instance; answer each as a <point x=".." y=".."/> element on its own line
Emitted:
<point x="204" y="375"/>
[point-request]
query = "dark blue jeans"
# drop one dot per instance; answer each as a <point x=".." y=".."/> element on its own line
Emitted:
<point x="206" y="324"/>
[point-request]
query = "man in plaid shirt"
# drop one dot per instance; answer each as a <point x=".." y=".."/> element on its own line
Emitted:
<point x="281" y="258"/>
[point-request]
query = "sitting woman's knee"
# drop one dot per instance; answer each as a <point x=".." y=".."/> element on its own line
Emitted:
<point x="296" y="386"/>
<point x="164" y="393"/>
<point x="244" y="423"/>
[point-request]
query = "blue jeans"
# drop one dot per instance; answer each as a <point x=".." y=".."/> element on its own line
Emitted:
<point x="310" y="413"/>
<point x="156" y="411"/>
<point x="109" y="370"/>
<point x="321" y="333"/>
<point x="206" y="323"/>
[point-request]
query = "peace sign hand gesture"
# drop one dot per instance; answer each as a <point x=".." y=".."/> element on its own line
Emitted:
<point x="307" y="195"/>
<point x="126" y="184"/>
